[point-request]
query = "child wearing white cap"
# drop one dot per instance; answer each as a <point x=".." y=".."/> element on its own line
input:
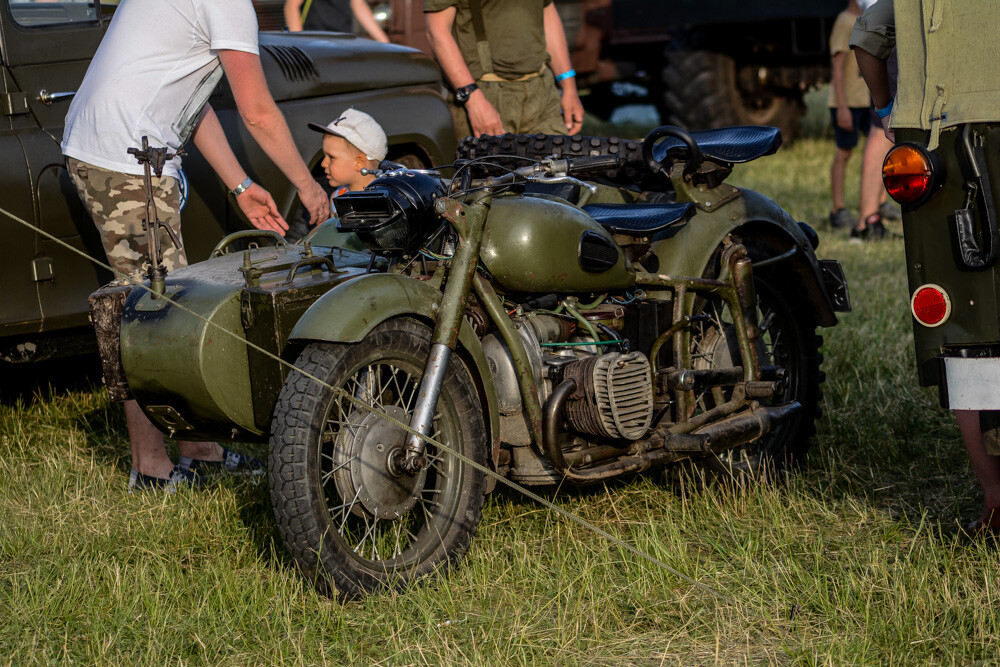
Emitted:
<point x="353" y="142"/>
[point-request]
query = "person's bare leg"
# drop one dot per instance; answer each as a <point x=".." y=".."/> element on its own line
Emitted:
<point x="986" y="466"/>
<point x="149" y="456"/>
<point x="838" y="169"/>
<point x="872" y="190"/>
<point x="205" y="451"/>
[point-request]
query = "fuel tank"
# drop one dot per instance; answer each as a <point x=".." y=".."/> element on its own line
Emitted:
<point x="542" y="244"/>
<point x="191" y="359"/>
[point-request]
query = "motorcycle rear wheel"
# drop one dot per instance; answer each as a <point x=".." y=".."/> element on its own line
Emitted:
<point x="787" y="340"/>
<point x="347" y="518"/>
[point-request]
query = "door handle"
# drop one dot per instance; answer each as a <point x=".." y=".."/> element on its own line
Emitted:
<point x="47" y="98"/>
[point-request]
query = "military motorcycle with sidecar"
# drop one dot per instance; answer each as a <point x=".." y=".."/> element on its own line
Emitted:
<point x="566" y="319"/>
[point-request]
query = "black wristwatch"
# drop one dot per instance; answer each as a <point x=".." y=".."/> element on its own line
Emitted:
<point x="462" y="94"/>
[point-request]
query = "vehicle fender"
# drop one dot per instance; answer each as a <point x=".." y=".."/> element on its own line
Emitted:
<point x="349" y="312"/>
<point x="689" y="249"/>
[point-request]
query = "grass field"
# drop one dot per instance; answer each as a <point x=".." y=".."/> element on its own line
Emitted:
<point x="857" y="559"/>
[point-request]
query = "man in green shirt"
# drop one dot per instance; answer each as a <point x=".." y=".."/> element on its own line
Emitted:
<point x="503" y="60"/>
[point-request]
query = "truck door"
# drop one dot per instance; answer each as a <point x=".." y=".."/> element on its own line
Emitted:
<point x="47" y="47"/>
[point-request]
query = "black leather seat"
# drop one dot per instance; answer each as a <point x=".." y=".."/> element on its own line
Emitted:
<point x="728" y="144"/>
<point x="639" y="219"/>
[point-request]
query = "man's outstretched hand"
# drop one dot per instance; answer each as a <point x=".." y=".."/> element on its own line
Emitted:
<point x="258" y="205"/>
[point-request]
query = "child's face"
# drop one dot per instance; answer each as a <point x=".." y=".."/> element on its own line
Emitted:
<point x="342" y="162"/>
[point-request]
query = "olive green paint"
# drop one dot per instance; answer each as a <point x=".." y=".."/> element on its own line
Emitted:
<point x="930" y="258"/>
<point x="687" y="250"/>
<point x="532" y="244"/>
<point x="348" y="313"/>
<point x="199" y="370"/>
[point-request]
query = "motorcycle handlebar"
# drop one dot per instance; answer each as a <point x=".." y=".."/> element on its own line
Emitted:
<point x="555" y="166"/>
<point x="593" y="162"/>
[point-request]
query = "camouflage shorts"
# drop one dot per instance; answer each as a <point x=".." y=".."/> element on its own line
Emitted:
<point x="117" y="204"/>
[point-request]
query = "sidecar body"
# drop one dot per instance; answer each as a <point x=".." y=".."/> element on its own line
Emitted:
<point x="196" y="358"/>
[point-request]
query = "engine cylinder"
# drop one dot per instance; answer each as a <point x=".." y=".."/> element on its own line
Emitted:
<point x="614" y="395"/>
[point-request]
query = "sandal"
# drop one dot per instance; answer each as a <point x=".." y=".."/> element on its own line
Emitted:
<point x="986" y="525"/>
<point x="232" y="463"/>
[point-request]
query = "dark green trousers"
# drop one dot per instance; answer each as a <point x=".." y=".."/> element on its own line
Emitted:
<point x="526" y="107"/>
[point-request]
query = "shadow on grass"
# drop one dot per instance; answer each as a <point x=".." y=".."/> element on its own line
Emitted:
<point x="39" y="381"/>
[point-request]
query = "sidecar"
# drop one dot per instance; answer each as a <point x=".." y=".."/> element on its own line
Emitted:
<point x="197" y="358"/>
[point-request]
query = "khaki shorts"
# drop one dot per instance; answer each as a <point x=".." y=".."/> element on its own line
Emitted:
<point x="526" y="107"/>
<point x="117" y="204"/>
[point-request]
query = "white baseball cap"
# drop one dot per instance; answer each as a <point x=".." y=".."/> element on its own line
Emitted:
<point x="361" y="130"/>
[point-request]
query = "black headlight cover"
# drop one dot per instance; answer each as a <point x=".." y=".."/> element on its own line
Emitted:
<point x="394" y="214"/>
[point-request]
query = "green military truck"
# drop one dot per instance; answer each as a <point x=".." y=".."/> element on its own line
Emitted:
<point x="702" y="64"/>
<point x="945" y="172"/>
<point x="44" y="284"/>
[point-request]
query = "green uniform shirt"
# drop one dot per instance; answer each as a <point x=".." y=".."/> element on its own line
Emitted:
<point x="947" y="49"/>
<point x="514" y="29"/>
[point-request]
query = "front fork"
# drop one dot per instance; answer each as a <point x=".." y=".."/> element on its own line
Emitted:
<point x="469" y="220"/>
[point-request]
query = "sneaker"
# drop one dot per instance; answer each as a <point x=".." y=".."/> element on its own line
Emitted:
<point x="232" y="463"/>
<point x="841" y="219"/>
<point x="179" y="476"/>
<point x="890" y="212"/>
<point x="876" y="231"/>
<point x="873" y="230"/>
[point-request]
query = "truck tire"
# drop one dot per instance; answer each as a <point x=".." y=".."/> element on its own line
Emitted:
<point x="509" y="151"/>
<point x="702" y="91"/>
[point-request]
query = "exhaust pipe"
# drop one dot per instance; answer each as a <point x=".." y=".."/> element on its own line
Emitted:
<point x="747" y="426"/>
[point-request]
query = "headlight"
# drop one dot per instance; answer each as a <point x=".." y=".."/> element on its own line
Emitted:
<point x="394" y="214"/>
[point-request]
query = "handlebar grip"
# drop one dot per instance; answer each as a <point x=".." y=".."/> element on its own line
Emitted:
<point x="594" y="162"/>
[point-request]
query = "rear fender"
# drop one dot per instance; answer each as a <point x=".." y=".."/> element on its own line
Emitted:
<point x="349" y="312"/>
<point x="689" y="250"/>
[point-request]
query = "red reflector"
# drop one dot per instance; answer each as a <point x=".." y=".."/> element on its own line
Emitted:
<point x="930" y="305"/>
<point x="907" y="174"/>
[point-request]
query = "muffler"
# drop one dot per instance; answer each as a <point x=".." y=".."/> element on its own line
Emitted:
<point x="746" y="426"/>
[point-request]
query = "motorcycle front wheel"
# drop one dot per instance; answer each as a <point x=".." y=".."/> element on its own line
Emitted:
<point x="350" y="519"/>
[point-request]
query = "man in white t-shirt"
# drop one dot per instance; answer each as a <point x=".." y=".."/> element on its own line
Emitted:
<point x="152" y="76"/>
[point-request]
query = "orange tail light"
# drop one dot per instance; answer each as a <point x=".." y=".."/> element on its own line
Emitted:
<point x="911" y="174"/>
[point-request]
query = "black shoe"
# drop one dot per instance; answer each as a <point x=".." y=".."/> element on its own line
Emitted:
<point x="873" y="230"/>
<point x="232" y="463"/>
<point x="876" y="231"/>
<point x="179" y="476"/>
<point x="890" y="212"/>
<point x="841" y="219"/>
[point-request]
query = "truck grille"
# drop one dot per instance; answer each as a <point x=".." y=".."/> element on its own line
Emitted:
<point x="295" y="63"/>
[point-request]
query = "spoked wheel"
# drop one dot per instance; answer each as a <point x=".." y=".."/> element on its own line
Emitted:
<point x="787" y="341"/>
<point x="348" y="514"/>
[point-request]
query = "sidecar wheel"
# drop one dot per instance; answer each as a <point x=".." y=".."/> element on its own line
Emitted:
<point x="350" y="520"/>
<point x="788" y="340"/>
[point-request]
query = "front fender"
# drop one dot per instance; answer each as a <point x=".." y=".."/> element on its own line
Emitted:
<point x="349" y="312"/>
<point x="689" y="249"/>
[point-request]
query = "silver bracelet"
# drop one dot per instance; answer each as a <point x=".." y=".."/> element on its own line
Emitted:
<point x="242" y="187"/>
